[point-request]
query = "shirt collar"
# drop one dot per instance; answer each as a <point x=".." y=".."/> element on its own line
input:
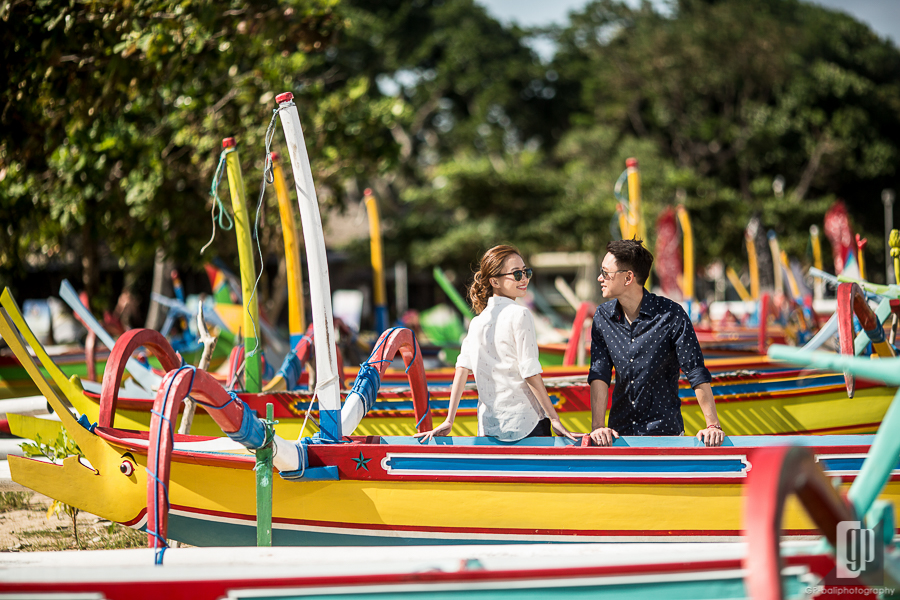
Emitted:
<point x="499" y="301"/>
<point x="646" y="307"/>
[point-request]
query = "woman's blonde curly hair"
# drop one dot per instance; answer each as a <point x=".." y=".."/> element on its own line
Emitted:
<point x="491" y="265"/>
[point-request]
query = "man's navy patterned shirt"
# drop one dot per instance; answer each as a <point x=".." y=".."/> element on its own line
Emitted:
<point x="647" y="355"/>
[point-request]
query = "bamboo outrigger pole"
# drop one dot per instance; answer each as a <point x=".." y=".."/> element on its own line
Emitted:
<point x="687" y="237"/>
<point x="296" y="308"/>
<point x="328" y="385"/>
<point x="252" y="368"/>
<point x="750" y="240"/>
<point x="632" y="224"/>
<point x="380" y="291"/>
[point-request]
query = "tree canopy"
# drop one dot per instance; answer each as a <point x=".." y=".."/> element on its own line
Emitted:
<point x="113" y="113"/>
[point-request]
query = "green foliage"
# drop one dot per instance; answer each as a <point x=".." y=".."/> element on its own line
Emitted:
<point x="114" y="114"/>
<point x="729" y="96"/>
<point x="57" y="450"/>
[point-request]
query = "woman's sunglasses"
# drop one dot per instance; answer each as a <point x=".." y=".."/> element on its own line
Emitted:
<point x="517" y="274"/>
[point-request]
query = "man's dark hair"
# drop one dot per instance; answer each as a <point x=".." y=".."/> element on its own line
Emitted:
<point x="631" y="255"/>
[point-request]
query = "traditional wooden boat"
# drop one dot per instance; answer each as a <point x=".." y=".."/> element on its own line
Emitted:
<point x="773" y="401"/>
<point x="711" y="570"/>
<point x="14" y="379"/>
<point x="594" y="571"/>
<point x="346" y="490"/>
<point x="393" y="490"/>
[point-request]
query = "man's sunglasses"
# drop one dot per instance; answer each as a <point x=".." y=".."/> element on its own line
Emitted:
<point x="517" y="274"/>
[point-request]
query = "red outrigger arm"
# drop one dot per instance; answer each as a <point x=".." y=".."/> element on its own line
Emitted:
<point x="115" y="367"/>
<point x="362" y="396"/>
<point x="575" y="337"/>
<point x="852" y="301"/>
<point x="776" y="474"/>
<point x="403" y="341"/>
<point x="226" y="410"/>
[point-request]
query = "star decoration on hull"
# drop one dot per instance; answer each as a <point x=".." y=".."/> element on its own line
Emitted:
<point x="361" y="462"/>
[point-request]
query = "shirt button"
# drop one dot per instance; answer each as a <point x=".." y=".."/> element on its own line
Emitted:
<point x="631" y="360"/>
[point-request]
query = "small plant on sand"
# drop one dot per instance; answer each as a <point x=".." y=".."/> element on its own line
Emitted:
<point x="62" y="447"/>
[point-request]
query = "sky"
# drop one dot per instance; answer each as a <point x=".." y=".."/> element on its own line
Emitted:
<point x="883" y="16"/>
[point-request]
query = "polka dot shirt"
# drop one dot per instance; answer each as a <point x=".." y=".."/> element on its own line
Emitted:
<point x="647" y="355"/>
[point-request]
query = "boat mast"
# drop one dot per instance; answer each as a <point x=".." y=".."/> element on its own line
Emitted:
<point x="327" y="387"/>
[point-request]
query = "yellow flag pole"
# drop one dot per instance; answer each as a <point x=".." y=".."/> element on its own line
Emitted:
<point x="636" y="222"/>
<point x="687" y="235"/>
<point x="296" y="307"/>
<point x="380" y="292"/>
<point x="252" y="366"/>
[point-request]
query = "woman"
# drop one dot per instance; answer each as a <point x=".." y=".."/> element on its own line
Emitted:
<point x="501" y="349"/>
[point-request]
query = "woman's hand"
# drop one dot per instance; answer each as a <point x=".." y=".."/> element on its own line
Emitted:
<point x="561" y="430"/>
<point x="441" y="430"/>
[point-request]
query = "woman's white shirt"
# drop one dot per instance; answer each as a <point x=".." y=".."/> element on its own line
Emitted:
<point x="501" y="350"/>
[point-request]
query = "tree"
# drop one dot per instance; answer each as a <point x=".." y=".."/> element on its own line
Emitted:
<point x="735" y="96"/>
<point x="113" y="115"/>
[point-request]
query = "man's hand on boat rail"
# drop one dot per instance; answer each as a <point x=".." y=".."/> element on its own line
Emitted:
<point x="604" y="436"/>
<point x="441" y="430"/>
<point x="711" y="436"/>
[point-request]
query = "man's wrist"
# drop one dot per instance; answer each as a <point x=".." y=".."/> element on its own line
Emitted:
<point x="714" y="426"/>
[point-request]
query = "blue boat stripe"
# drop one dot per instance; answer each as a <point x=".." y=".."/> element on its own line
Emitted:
<point x="476" y="465"/>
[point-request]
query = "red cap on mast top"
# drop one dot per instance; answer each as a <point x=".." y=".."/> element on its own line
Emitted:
<point x="631" y="162"/>
<point x="285" y="97"/>
<point x="228" y="143"/>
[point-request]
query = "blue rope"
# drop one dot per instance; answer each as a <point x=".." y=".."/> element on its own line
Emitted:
<point x="214" y="192"/>
<point x="368" y="380"/>
<point x="252" y="433"/>
<point x="291" y="369"/>
<point x="427" y="410"/>
<point x="234" y="398"/>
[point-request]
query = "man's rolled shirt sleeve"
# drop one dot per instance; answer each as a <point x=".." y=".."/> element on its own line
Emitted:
<point x="690" y="355"/>
<point x="601" y="363"/>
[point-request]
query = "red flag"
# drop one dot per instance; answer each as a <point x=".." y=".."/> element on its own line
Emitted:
<point x="838" y="232"/>
<point x="667" y="256"/>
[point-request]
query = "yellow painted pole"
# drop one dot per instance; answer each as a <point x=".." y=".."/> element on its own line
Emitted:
<point x="776" y="263"/>
<point x="819" y="286"/>
<point x="792" y="282"/>
<point x="860" y="255"/>
<point x="380" y="292"/>
<point x="738" y="286"/>
<point x="296" y="307"/>
<point x="624" y="226"/>
<point x="754" y="266"/>
<point x="252" y="367"/>
<point x="635" y="219"/>
<point x="894" y="242"/>
<point x="687" y="235"/>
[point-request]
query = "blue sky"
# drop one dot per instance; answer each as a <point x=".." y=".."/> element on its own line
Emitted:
<point x="883" y="16"/>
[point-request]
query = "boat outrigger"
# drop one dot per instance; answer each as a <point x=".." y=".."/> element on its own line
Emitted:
<point x="339" y="489"/>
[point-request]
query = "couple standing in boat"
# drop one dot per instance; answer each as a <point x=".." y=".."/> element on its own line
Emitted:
<point x="648" y="338"/>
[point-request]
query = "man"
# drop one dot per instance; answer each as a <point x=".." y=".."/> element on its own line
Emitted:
<point x="648" y="338"/>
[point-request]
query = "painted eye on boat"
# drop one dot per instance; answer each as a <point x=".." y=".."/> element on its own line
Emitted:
<point x="126" y="467"/>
